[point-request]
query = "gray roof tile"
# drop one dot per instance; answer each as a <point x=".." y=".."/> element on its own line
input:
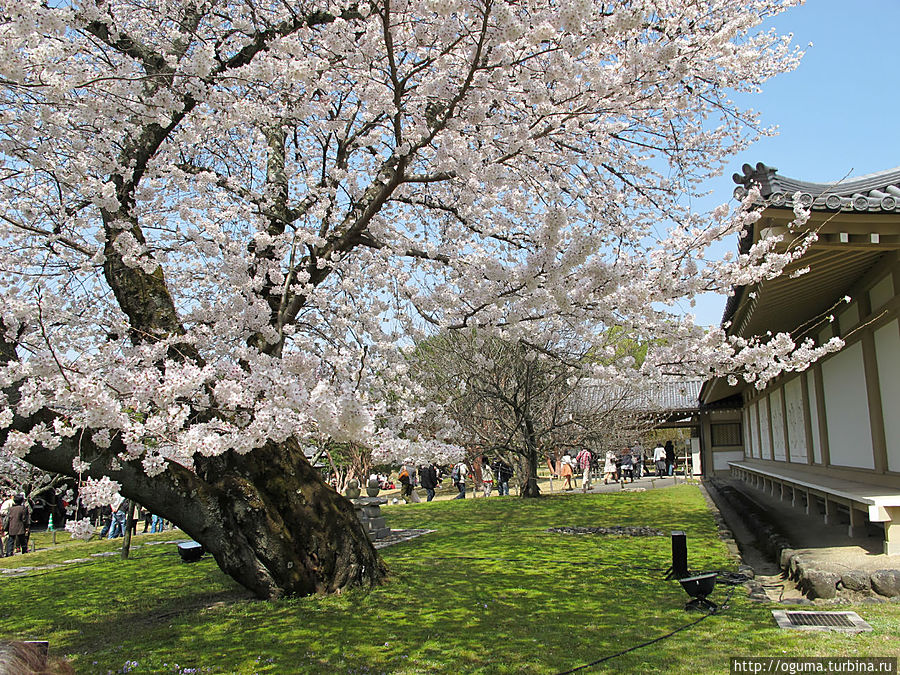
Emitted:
<point x="874" y="192"/>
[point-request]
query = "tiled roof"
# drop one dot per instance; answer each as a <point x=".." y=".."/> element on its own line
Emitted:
<point x="874" y="192"/>
<point x="667" y="396"/>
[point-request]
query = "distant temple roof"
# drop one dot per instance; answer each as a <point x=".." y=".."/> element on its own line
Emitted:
<point x="874" y="192"/>
<point x="670" y="396"/>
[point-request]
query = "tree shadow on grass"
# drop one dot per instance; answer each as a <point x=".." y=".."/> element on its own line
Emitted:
<point x="491" y="591"/>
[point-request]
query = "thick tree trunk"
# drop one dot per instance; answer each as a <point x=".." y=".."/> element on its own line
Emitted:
<point x="530" y="486"/>
<point x="268" y="517"/>
<point x="286" y="531"/>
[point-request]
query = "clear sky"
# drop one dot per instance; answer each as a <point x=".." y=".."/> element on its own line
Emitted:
<point x="838" y="114"/>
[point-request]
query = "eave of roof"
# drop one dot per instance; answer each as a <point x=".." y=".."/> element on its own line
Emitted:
<point x="875" y="192"/>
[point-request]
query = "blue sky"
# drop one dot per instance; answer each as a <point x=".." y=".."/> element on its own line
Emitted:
<point x="838" y="114"/>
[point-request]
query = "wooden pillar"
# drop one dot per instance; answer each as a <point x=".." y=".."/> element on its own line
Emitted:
<point x="829" y="510"/>
<point x="823" y="421"/>
<point x="807" y="418"/>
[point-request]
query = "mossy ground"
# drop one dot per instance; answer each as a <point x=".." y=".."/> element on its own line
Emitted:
<point x="491" y="591"/>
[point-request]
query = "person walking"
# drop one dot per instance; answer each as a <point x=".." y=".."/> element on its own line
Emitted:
<point x="637" y="454"/>
<point x="670" y="458"/>
<point x="406" y="482"/>
<point x="584" y="459"/>
<point x="7" y="504"/>
<point x="18" y="527"/>
<point x="119" y="516"/>
<point x="565" y="471"/>
<point x="105" y="515"/>
<point x="503" y="472"/>
<point x="428" y="480"/>
<point x="458" y="475"/>
<point x="487" y="476"/>
<point x="609" y="467"/>
<point x="659" y="458"/>
<point x="626" y="467"/>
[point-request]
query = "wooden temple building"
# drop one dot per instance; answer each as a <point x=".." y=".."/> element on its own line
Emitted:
<point x="827" y="438"/>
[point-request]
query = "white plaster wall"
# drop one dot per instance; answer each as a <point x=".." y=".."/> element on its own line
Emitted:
<point x="847" y="409"/>
<point x="796" y="420"/>
<point x="721" y="459"/>
<point x="881" y="292"/>
<point x="777" y="416"/>
<point x="765" y="446"/>
<point x="887" y="353"/>
<point x="814" y="416"/>
<point x="754" y="429"/>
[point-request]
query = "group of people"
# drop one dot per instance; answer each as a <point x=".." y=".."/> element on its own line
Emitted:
<point x="664" y="459"/>
<point x="496" y="474"/>
<point x="568" y="466"/>
<point x="115" y="518"/>
<point x="15" y="525"/>
<point x="623" y="466"/>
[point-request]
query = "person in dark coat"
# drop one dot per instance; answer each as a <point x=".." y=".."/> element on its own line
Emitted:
<point x="503" y="473"/>
<point x="428" y="480"/>
<point x="19" y="526"/>
<point x="670" y="458"/>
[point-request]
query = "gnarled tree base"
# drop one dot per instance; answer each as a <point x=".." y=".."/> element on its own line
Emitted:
<point x="268" y="517"/>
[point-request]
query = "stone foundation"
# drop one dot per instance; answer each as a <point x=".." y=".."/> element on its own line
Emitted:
<point x="815" y="578"/>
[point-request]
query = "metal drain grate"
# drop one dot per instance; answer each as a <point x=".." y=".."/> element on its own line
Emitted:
<point x="827" y="619"/>
<point x="841" y="621"/>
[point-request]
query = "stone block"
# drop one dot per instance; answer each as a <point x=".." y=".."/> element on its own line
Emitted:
<point x="886" y="582"/>
<point x="374" y="524"/>
<point x="372" y="511"/>
<point x="819" y="583"/>
<point x="785" y="559"/>
<point x="856" y="580"/>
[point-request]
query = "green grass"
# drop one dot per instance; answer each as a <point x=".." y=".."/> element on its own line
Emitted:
<point x="489" y="592"/>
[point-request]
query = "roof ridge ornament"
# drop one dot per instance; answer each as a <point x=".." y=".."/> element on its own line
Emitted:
<point x="761" y="175"/>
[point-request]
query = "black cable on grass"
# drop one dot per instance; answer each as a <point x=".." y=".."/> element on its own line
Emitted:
<point x="721" y="608"/>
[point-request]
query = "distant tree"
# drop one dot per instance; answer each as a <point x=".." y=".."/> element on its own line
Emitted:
<point x="347" y="461"/>
<point x="528" y="401"/>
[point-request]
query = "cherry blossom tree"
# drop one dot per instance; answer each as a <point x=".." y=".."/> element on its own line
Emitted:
<point x="220" y="219"/>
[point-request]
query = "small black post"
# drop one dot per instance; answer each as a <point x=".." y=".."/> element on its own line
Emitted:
<point x="679" y="568"/>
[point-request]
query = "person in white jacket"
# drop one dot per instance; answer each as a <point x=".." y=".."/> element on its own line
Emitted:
<point x="659" y="458"/>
